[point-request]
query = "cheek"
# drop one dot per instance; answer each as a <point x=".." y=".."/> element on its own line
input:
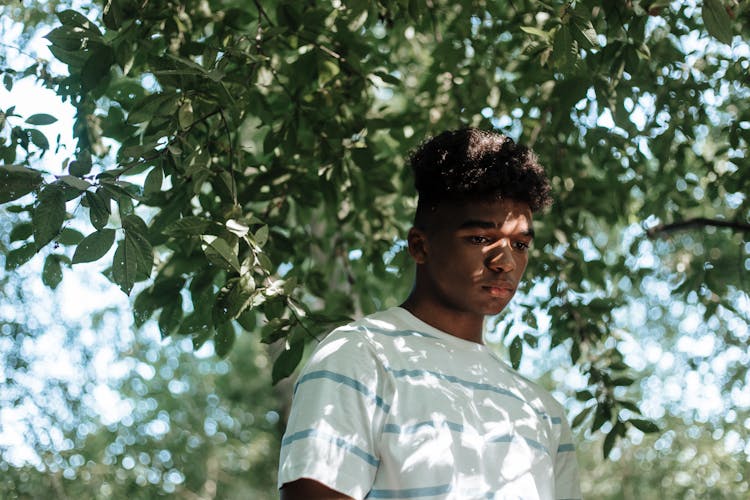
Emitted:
<point x="521" y="264"/>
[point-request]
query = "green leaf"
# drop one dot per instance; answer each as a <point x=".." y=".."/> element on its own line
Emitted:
<point x="52" y="271"/>
<point x="516" y="352"/>
<point x="645" y="426"/>
<point x="536" y="32"/>
<point x="618" y="366"/>
<point x="133" y="258"/>
<point x="170" y="317"/>
<point x="274" y="307"/>
<point x="39" y="139"/>
<point x="237" y="228"/>
<point x="629" y="405"/>
<point x="563" y="49"/>
<point x="124" y="268"/>
<point x="233" y="298"/>
<point x="49" y="214"/>
<point x="275" y="329"/>
<point x="188" y="226"/>
<point x="261" y="236"/>
<point x="144" y="306"/>
<point x="185" y="115"/>
<point x="99" y="209"/>
<point x="387" y="77"/>
<point x="153" y="181"/>
<point x="75" y="182"/>
<point x="609" y="441"/>
<point x="199" y="337"/>
<point x="76" y="19"/>
<point x="584" y="395"/>
<point x="588" y="33"/>
<point x="224" y="339"/>
<point x="69" y="236"/>
<point x="414" y="9"/>
<point x="136" y="234"/>
<point x="287" y="361"/>
<point x="622" y="381"/>
<point x="97" y="67"/>
<point x="41" y="119"/>
<point x="531" y="340"/>
<point x="247" y="320"/>
<point x="68" y="37"/>
<point x="94" y="246"/>
<point x="717" y="20"/>
<point x="147" y="107"/>
<point x="237" y="18"/>
<point x="603" y="414"/>
<point x="579" y="419"/>
<point x="327" y="71"/>
<point x="73" y="58"/>
<point x="79" y="168"/>
<point x="219" y="252"/>
<point x="17" y="181"/>
<point x="19" y="256"/>
<point x="21" y="232"/>
<point x="112" y="15"/>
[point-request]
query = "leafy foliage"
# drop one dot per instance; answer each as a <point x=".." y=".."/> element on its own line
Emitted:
<point x="249" y="157"/>
<point x="174" y="425"/>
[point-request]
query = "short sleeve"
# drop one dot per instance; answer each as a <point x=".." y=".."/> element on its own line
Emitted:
<point x="338" y="409"/>
<point x="567" y="481"/>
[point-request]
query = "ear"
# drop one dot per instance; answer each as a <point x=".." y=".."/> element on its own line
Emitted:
<point x="418" y="245"/>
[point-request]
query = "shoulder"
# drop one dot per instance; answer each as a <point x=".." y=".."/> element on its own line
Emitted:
<point x="362" y="341"/>
<point x="371" y="330"/>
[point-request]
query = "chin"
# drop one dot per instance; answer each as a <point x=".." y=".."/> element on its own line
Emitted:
<point x="493" y="309"/>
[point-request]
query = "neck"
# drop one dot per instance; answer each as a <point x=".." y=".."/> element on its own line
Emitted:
<point x="462" y="325"/>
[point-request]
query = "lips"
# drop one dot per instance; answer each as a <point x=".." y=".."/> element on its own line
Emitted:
<point x="502" y="290"/>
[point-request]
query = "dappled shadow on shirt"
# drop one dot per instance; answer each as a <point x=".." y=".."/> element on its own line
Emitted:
<point x="427" y="417"/>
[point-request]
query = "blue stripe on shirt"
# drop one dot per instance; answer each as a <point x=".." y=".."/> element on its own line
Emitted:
<point x="348" y="381"/>
<point x="395" y="333"/>
<point x="427" y="491"/>
<point x="472" y="385"/>
<point x="341" y="443"/>
<point x="505" y="438"/>
<point x="449" y="378"/>
<point x="412" y="429"/>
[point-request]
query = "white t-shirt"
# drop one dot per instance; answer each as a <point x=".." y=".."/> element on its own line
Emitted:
<point x="390" y="407"/>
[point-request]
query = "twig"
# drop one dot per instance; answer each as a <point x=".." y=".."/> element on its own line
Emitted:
<point x="231" y="156"/>
<point x="292" y="304"/>
<point x="19" y="50"/>
<point x="695" y="223"/>
<point x="330" y="52"/>
<point x="262" y="12"/>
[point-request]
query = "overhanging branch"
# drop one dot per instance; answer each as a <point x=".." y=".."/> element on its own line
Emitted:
<point x="698" y="222"/>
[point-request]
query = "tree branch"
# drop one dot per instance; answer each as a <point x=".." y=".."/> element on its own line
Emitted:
<point x="697" y="222"/>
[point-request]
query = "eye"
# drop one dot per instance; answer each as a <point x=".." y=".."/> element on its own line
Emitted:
<point x="479" y="240"/>
<point x="521" y="246"/>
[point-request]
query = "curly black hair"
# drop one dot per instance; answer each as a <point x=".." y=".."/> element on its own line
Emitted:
<point x="471" y="164"/>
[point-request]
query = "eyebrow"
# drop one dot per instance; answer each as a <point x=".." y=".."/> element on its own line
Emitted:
<point x="485" y="224"/>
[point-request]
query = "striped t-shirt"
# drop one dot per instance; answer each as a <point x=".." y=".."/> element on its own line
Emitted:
<point x="390" y="407"/>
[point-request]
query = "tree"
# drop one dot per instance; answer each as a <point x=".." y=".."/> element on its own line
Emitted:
<point x="176" y="426"/>
<point x="245" y="160"/>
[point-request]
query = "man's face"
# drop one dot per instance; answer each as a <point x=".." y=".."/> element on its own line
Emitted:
<point x="471" y="256"/>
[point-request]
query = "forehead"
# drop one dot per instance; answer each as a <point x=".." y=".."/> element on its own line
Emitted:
<point x="497" y="213"/>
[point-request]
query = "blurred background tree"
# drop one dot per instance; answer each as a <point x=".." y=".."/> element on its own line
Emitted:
<point x="239" y="167"/>
<point x="92" y="411"/>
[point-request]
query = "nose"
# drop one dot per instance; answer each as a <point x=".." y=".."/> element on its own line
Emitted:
<point x="500" y="258"/>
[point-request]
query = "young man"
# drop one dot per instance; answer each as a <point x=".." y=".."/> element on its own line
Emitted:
<point x="409" y="402"/>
